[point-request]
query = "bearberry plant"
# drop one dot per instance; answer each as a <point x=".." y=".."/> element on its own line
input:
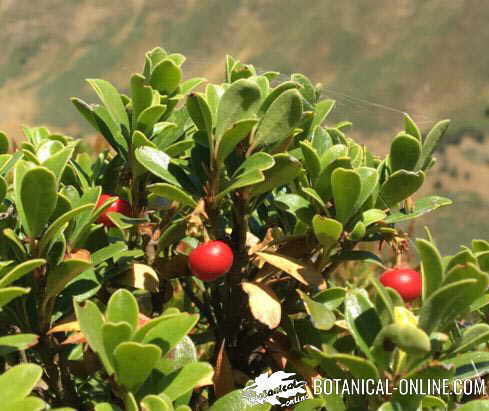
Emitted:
<point x="225" y="233"/>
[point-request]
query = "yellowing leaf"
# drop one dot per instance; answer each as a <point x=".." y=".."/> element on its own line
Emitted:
<point x="76" y="338"/>
<point x="223" y="374"/>
<point x="264" y="304"/>
<point x="66" y="327"/>
<point x="342" y="324"/>
<point x="304" y="273"/>
<point x="81" y="254"/>
<point x="404" y="316"/>
<point x="141" y="276"/>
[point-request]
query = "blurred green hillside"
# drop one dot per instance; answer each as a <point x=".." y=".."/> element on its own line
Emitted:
<point x="376" y="58"/>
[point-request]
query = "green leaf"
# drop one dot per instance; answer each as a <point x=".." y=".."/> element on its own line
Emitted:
<point x="17" y="382"/>
<point x="47" y="149"/>
<point x="322" y="318"/>
<point x="172" y="193"/>
<point x="20" y="270"/>
<point x="9" y="163"/>
<point x="57" y="162"/>
<point x="184" y="353"/>
<point x="213" y="94"/>
<point x="307" y="90"/>
<point x="400" y="186"/>
<point x="346" y="186"/>
<point x="323" y="182"/>
<point x="3" y="189"/>
<point x="469" y="365"/>
<point x="180" y="147"/>
<point x="359" y="255"/>
<point x="38" y="195"/>
<point x="111" y="98"/>
<point x="247" y="179"/>
<point x="134" y="363"/>
<point x="62" y="274"/>
<point x="369" y="180"/>
<point x="285" y="170"/>
<point x="187" y="378"/>
<point x="372" y="216"/>
<point x="311" y="160"/>
<point x="331" y="298"/>
<point x="142" y="95"/>
<point x="149" y="117"/>
<point x="200" y="112"/>
<point x="384" y="299"/>
<point x="296" y="205"/>
<point x="423" y="378"/>
<point x="462" y="257"/>
<point x="359" y="367"/>
<point x="472" y="337"/>
<point x="431" y="267"/>
<point x="123" y="306"/>
<point x="143" y="330"/>
<point x="87" y="217"/>
<point x="174" y="233"/>
<point x="9" y="293"/>
<point x="407" y="337"/>
<point x="461" y="287"/>
<point x="240" y="101"/>
<point x="156" y="403"/>
<point x="326" y="230"/>
<point x="431" y="402"/>
<point x="280" y="119"/>
<point x="14" y="243"/>
<point x="188" y="85"/>
<point x="483" y="261"/>
<point x="4" y="143"/>
<point x="405" y="152"/>
<point x="480" y="245"/>
<point x="411" y="128"/>
<point x="275" y="93"/>
<point x="477" y="405"/>
<point x="114" y="334"/>
<point x="105" y="406"/>
<point x="332" y="402"/>
<point x="170" y="331"/>
<point x="130" y="403"/>
<point x="91" y="322"/>
<point x="480" y="302"/>
<point x="422" y="206"/>
<point x="430" y="143"/>
<point x="58" y="226"/>
<point x="156" y="162"/>
<point x="16" y="342"/>
<point x="321" y="111"/>
<point x="313" y="195"/>
<point x="110" y="129"/>
<point x="233" y="137"/>
<point x="362" y="319"/>
<point x="166" y="76"/>
<point x="333" y="153"/>
<point x="236" y="401"/>
<point x="259" y="161"/>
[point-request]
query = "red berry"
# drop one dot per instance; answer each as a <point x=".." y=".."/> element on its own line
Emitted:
<point x="210" y="260"/>
<point x="405" y="281"/>
<point x="118" y="206"/>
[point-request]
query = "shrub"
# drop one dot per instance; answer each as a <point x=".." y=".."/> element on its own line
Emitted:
<point x="249" y="163"/>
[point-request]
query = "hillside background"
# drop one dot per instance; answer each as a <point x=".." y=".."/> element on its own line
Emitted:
<point x="376" y="58"/>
